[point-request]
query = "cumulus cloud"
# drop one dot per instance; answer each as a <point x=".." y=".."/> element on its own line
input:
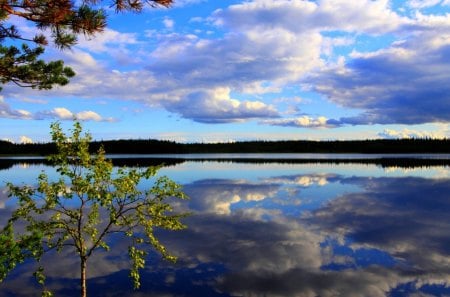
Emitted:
<point x="185" y="70"/>
<point x="298" y="16"/>
<point x="300" y="122"/>
<point x="7" y="112"/>
<point x="408" y="133"/>
<point x="89" y="115"/>
<point x="62" y="113"/>
<point x="25" y="139"/>
<point x="95" y="79"/>
<point x="403" y="84"/>
<point x="106" y="41"/>
<point x="269" y="45"/>
<point x="216" y="106"/>
<point x="192" y="72"/>
<point x="237" y="60"/>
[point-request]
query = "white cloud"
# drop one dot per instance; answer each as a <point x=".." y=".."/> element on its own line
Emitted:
<point x="301" y="122"/>
<point x="94" y="80"/>
<point x="239" y="61"/>
<point x="25" y="139"/>
<point x="277" y="42"/>
<point x="422" y="3"/>
<point x="405" y="83"/>
<point x="218" y="196"/>
<point x="216" y="106"/>
<point x="409" y="133"/>
<point x="185" y="69"/>
<point x="168" y="23"/>
<point x="302" y="180"/>
<point x="267" y="46"/>
<point x="89" y="116"/>
<point x="298" y="16"/>
<point x="106" y="41"/>
<point x="56" y="113"/>
<point x="62" y="113"/>
<point x="7" y="112"/>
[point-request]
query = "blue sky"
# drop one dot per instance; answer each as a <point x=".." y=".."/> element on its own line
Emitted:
<point x="214" y="70"/>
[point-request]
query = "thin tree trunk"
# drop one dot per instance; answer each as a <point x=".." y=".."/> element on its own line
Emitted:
<point x="83" y="291"/>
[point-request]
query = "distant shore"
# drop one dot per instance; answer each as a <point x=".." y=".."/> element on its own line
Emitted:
<point x="377" y="146"/>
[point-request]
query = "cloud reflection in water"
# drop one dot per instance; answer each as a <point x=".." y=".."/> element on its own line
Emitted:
<point x="322" y="234"/>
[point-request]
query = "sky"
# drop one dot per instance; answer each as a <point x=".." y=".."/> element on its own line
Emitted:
<point x="223" y="71"/>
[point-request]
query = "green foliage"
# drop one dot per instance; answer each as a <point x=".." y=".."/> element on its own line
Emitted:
<point x="89" y="201"/>
<point x="23" y="68"/>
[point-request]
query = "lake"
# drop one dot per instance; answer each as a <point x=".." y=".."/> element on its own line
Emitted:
<point x="277" y="225"/>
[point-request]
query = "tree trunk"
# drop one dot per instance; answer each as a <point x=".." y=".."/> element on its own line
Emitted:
<point x="83" y="263"/>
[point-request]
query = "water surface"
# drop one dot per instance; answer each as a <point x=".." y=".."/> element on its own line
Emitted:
<point x="279" y="229"/>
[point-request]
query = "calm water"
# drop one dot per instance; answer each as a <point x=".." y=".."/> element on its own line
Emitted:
<point x="270" y="228"/>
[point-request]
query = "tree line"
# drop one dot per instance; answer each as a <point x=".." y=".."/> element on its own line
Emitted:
<point x="152" y="146"/>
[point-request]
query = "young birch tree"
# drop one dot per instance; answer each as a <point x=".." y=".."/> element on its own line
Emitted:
<point x="86" y="204"/>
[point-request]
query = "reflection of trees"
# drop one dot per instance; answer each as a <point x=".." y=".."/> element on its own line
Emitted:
<point x="146" y="161"/>
<point x="7" y="163"/>
<point x="401" y="162"/>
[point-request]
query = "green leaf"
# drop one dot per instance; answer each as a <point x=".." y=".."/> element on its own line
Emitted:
<point x="22" y="67"/>
<point x="39" y="275"/>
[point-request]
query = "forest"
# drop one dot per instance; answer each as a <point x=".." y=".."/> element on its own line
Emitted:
<point x="151" y="146"/>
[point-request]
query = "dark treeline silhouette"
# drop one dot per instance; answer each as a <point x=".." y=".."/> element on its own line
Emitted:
<point x="305" y="146"/>
<point x="42" y="149"/>
<point x="294" y="146"/>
